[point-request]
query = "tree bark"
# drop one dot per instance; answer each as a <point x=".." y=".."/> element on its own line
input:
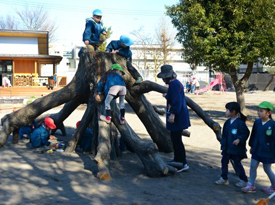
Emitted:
<point x="269" y="82"/>
<point x="148" y="86"/>
<point x="240" y="84"/>
<point x="147" y="152"/>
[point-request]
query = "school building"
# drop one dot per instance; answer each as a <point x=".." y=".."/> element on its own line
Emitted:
<point x="25" y="59"/>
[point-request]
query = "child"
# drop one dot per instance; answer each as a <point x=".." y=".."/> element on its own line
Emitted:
<point x="25" y="131"/>
<point x="86" y="139"/>
<point x="233" y="143"/>
<point x="122" y="47"/>
<point x="41" y="135"/>
<point x="93" y="29"/>
<point x="113" y="85"/>
<point x="262" y="143"/>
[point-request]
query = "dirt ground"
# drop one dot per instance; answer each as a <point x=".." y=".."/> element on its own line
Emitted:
<point x="27" y="177"/>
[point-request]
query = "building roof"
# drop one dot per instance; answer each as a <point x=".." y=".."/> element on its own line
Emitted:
<point x="57" y="59"/>
<point x="23" y="33"/>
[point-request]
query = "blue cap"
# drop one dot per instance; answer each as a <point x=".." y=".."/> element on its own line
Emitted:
<point x="126" y="40"/>
<point x="97" y="12"/>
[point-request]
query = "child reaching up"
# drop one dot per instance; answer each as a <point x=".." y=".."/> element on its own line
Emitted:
<point x="233" y="143"/>
<point x="262" y="143"/>
<point x="114" y="86"/>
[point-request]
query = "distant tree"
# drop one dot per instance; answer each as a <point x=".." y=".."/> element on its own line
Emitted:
<point x="226" y="33"/>
<point x="271" y="71"/>
<point x="145" y="41"/>
<point x="8" y="23"/>
<point x="103" y="46"/>
<point x="30" y="18"/>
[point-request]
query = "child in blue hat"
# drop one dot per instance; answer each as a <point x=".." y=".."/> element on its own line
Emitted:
<point x="262" y="143"/>
<point x="93" y="30"/>
<point x="122" y="47"/>
<point x="233" y="144"/>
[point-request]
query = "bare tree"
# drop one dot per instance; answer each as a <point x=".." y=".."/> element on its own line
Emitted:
<point x="271" y="71"/>
<point x="8" y="23"/>
<point x="144" y="40"/>
<point x="36" y="18"/>
<point x="165" y="39"/>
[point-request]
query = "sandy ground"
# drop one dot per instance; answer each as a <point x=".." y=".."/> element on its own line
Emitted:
<point x="27" y="177"/>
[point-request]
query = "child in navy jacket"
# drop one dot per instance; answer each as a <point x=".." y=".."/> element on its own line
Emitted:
<point x="93" y="29"/>
<point x="262" y="143"/>
<point x="233" y="144"/>
<point x="112" y="85"/>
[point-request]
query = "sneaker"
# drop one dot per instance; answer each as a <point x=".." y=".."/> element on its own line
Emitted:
<point x="222" y="181"/>
<point x="249" y="188"/>
<point x="241" y="184"/>
<point x="185" y="167"/>
<point x="105" y="118"/>
<point x="269" y="190"/>
<point x="122" y="120"/>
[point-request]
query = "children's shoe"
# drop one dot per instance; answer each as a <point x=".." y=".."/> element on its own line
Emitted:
<point x="269" y="190"/>
<point x="185" y="168"/>
<point x="241" y="184"/>
<point x="105" y="118"/>
<point x="222" y="181"/>
<point x="122" y="120"/>
<point x="249" y="188"/>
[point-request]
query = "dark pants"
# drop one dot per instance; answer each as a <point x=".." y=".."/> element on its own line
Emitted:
<point x="179" y="150"/>
<point x="133" y="71"/>
<point x="237" y="163"/>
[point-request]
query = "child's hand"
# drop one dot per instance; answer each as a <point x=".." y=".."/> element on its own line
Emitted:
<point x="115" y="51"/>
<point x="98" y="97"/>
<point x="171" y="118"/>
<point x="86" y="42"/>
<point x="104" y="33"/>
<point x="236" y="142"/>
<point x="52" y="137"/>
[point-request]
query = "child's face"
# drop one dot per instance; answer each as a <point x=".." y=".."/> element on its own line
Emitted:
<point x="97" y="18"/>
<point x="123" y="45"/>
<point x="228" y="113"/>
<point x="263" y="113"/>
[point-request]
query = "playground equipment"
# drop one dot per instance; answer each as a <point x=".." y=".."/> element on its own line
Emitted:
<point x="219" y="80"/>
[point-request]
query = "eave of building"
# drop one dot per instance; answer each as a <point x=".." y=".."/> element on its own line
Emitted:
<point x="56" y="59"/>
<point x="23" y="33"/>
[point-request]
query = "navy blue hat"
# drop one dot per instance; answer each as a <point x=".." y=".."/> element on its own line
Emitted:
<point x="166" y="72"/>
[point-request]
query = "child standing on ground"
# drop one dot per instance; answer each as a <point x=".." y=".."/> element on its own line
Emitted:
<point x="262" y="143"/>
<point x="233" y="143"/>
<point x="93" y="29"/>
<point x="113" y="85"/>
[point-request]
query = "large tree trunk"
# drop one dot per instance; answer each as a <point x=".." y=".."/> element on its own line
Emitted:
<point x="269" y="82"/>
<point x="90" y="69"/>
<point x="240" y="84"/>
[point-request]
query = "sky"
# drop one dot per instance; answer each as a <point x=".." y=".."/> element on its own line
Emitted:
<point x="124" y="16"/>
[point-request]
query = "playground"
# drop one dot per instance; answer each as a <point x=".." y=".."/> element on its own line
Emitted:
<point x="28" y="177"/>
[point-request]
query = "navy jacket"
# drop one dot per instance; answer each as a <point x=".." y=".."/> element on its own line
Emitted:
<point x="92" y="31"/>
<point x="231" y="132"/>
<point x="40" y="137"/>
<point x="112" y="80"/>
<point x="123" y="51"/>
<point x="176" y="104"/>
<point x="86" y="140"/>
<point x="262" y="139"/>
<point x="28" y="129"/>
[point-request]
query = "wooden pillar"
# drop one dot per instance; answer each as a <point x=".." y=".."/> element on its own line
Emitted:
<point x="35" y="67"/>
<point x="54" y="68"/>
<point x="13" y="72"/>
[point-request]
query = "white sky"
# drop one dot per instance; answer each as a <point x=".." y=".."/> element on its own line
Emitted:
<point x="124" y="16"/>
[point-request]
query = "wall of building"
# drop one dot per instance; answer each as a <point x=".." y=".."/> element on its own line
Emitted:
<point x="18" y="45"/>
